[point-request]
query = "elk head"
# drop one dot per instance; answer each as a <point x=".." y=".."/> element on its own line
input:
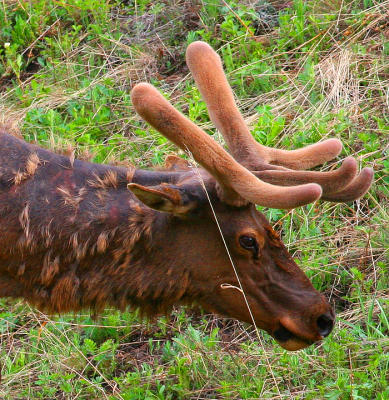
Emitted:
<point x="238" y="265"/>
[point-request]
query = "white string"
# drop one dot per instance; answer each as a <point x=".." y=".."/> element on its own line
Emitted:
<point x="240" y="288"/>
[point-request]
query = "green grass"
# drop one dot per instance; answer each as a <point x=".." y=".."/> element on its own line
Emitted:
<point x="319" y="69"/>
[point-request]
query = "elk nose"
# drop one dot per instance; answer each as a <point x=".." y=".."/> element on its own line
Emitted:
<point x="325" y="323"/>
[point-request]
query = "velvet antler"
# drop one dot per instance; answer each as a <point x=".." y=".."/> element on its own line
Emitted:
<point x="256" y="173"/>
<point x="237" y="183"/>
<point x="340" y="185"/>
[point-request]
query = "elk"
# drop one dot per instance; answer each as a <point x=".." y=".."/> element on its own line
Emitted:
<point x="77" y="235"/>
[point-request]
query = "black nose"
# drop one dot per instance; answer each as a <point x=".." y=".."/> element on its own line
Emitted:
<point x="325" y="324"/>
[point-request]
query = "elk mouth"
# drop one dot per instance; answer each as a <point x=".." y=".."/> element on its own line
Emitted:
<point x="288" y="340"/>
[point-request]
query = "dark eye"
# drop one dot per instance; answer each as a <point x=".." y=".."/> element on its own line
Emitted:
<point x="248" y="242"/>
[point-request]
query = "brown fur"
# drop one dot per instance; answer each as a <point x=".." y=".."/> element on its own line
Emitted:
<point x="30" y="168"/>
<point x="108" y="180"/>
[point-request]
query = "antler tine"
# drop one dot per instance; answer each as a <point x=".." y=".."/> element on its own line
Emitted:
<point x="330" y="182"/>
<point x="356" y="189"/>
<point x="207" y="70"/>
<point x="235" y="180"/>
<point x="340" y="185"/>
<point x="308" y="157"/>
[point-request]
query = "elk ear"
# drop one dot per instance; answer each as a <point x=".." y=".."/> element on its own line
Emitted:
<point x="175" y="163"/>
<point x="165" y="198"/>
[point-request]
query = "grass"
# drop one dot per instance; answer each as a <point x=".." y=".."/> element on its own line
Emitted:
<point x="312" y="70"/>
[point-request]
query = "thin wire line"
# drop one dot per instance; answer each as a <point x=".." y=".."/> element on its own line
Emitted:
<point x="238" y="279"/>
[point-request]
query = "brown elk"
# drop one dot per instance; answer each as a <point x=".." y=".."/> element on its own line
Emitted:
<point x="76" y="235"/>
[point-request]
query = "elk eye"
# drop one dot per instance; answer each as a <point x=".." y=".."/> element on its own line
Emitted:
<point x="248" y="242"/>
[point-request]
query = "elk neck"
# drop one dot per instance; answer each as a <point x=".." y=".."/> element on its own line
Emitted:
<point x="86" y="243"/>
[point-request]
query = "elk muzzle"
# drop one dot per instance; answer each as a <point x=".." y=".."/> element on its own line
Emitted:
<point x="295" y="333"/>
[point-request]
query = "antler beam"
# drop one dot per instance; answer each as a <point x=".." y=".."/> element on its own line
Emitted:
<point x="207" y="70"/>
<point x="275" y="172"/>
<point x="237" y="183"/>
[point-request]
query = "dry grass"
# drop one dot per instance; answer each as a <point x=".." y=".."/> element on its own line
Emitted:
<point x="330" y="240"/>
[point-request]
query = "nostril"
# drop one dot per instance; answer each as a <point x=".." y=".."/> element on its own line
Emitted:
<point x="325" y="324"/>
